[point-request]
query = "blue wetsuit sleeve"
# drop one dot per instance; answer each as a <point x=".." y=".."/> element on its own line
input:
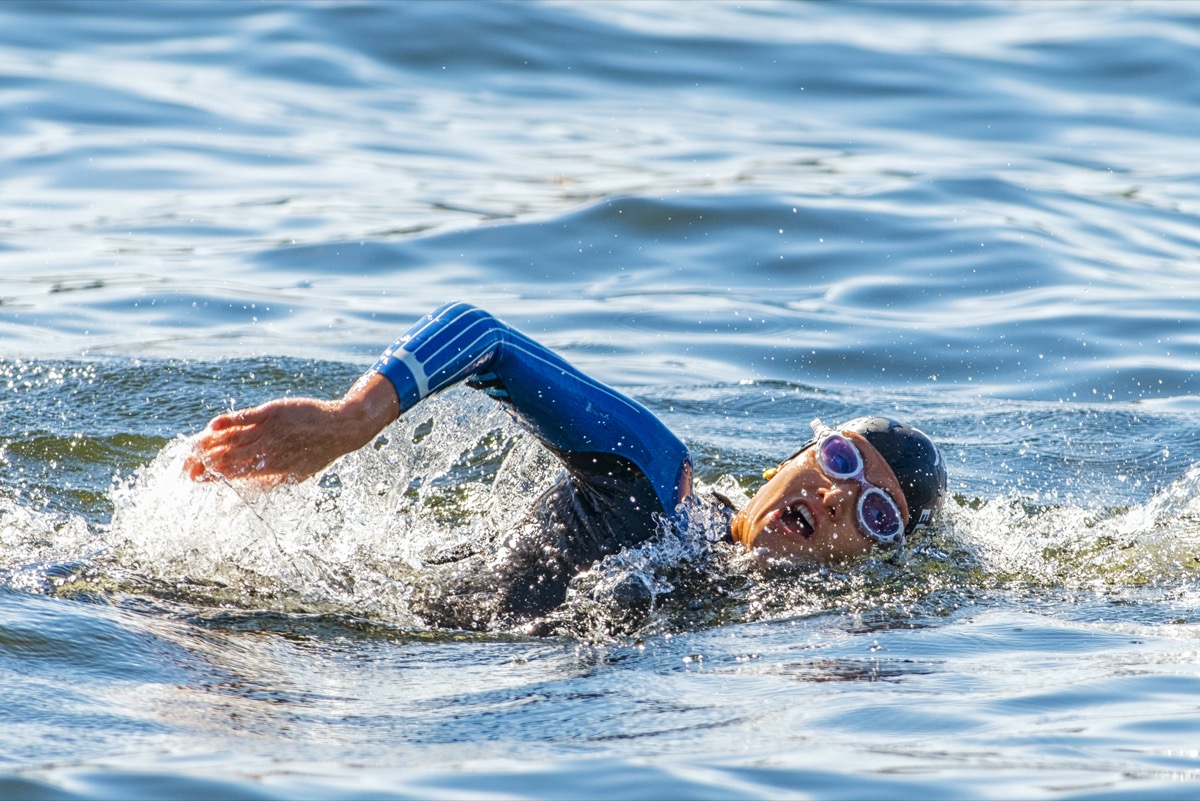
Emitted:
<point x="570" y="413"/>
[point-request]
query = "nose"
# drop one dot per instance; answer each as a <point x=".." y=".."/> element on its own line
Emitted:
<point x="837" y="497"/>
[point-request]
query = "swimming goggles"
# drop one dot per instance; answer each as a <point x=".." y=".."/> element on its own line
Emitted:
<point x="879" y="517"/>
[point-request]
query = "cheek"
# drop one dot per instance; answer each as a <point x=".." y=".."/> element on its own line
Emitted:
<point x="844" y="542"/>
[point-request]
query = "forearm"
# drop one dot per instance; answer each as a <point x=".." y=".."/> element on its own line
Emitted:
<point x="290" y="439"/>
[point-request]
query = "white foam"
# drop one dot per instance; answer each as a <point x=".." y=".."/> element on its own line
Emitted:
<point x="349" y="539"/>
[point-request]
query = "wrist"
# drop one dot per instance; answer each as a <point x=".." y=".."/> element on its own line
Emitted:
<point x="366" y="409"/>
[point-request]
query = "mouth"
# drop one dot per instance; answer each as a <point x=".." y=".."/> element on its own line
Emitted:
<point x="794" y="521"/>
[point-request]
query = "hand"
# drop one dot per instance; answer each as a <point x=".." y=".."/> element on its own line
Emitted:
<point x="291" y="439"/>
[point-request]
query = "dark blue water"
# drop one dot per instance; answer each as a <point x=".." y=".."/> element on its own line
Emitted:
<point x="982" y="218"/>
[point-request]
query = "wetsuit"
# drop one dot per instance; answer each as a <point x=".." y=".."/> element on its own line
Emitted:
<point x="624" y="472"/>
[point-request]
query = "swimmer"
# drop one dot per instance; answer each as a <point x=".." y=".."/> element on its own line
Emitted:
<point x="865" y="485"/>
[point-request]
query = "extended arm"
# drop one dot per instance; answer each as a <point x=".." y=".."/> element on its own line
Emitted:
<point x="583" y="421"/>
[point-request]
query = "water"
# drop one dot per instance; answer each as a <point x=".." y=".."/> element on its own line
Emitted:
<point x="981" y="218"/>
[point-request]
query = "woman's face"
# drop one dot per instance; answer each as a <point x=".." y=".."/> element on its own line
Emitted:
<point x="804" y="516"/>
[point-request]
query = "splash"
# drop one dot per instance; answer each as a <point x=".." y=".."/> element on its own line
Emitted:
<point x="352" y="540"/>
<point x="1016" y="541"/>
<point x="360" y="538"/>
<point x="41" y="552"/>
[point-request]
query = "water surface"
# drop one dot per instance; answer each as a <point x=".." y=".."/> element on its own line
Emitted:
<point x="981" y="218"/>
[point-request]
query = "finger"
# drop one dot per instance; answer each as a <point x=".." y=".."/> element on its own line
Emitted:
<point x="221" y="459"/>
<point x="221" y="422"/>
<point x="233" y="462"/>
<point x="195" y="461"/>
<point x="197" y="468"/>
<point x="240" y="418"/>
<point x="193" y="468"/>
<point x="208" y="442"/>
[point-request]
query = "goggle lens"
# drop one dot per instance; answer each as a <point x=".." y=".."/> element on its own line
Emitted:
<point x="879" y="515"/>
<point x="839" y="458"/>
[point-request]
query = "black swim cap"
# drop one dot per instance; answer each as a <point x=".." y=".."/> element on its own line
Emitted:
<point x="914" y="459"/>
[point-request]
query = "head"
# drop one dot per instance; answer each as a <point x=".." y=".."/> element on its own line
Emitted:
<point x="825" y="505"/>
